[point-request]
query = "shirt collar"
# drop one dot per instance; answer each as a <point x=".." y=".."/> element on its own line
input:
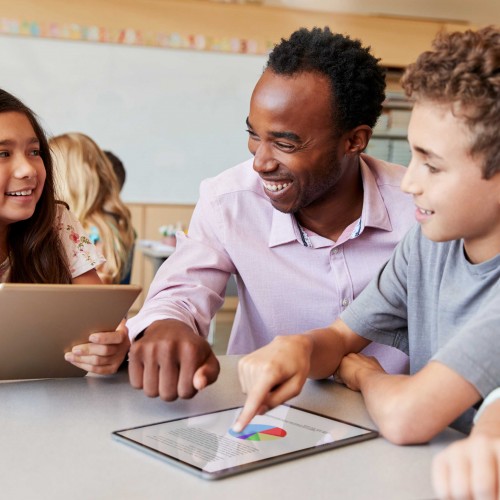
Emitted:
<point x="283" y="229"/>
<point x="374" y="213"/>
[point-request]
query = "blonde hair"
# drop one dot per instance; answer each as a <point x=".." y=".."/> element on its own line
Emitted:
<point x="85" y="179"/>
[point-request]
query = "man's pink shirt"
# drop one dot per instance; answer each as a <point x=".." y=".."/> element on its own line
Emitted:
<point x="284" y="287"/>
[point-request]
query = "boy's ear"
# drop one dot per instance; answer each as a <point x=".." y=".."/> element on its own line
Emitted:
<point x="357" y="139"/>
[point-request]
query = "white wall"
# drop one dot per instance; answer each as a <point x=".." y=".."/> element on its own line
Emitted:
<point x="174" y="117"/>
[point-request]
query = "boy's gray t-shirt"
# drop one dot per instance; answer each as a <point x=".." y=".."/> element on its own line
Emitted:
<point x="432" y="303"/>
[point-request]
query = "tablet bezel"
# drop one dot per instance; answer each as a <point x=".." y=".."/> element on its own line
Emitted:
<point x="238" y="469"/>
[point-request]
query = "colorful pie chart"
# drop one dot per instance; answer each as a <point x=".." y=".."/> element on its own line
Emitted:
<point x="258" y="432"/>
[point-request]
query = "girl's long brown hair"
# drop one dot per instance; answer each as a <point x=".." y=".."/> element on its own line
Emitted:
<point x="35" y="251"/>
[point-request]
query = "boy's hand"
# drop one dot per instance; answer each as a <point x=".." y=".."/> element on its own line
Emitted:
<point x="272" y="375"/>
<point x="171" y="361"/>
<point x="353" y="367"/>
<point x="104" y="353"/>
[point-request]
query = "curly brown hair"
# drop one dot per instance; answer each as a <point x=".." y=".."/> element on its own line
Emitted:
<point x="463" y="70"/>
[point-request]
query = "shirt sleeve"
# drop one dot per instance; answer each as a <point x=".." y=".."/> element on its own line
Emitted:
<point x="190" y="285"/>
<point x="81" y="253"/>
<point x="380" y="312"/>
<point x="474" y="350"/>
<point x="492" y="396"/>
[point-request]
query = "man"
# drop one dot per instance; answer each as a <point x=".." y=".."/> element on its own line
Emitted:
<point x="413" y="303"/>
<point x="303" y="226"/>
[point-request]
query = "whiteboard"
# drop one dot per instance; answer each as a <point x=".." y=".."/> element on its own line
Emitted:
<point x="174" y="117"/>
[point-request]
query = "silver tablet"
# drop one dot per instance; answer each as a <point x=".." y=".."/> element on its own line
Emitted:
<point x="207" y="446"/>
<point x="42" y="322"/>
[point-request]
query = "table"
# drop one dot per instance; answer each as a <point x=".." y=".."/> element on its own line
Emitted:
<point x="55" y="443"/>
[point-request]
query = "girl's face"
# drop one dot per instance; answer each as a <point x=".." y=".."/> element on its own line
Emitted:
<point x="22" y="172"/>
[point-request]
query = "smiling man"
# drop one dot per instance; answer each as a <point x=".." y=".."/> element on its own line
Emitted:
<point x="303" y="226"/>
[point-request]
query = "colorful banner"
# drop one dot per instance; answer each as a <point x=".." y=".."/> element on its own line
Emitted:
<point x="130" y="36"/>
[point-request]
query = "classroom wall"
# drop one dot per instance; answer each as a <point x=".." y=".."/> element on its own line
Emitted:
<point x="174" y="116"/>
<point x="396" y="40"/>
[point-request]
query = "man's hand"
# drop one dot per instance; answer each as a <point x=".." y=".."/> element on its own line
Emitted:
<point x="272" y="375"/>
<point x="171" y="361"/>
<point x="354" y="366"/>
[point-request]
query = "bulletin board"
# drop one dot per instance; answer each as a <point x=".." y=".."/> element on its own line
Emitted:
<point x="174" y="117"/>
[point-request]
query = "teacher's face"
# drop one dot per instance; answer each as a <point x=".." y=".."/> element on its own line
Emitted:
<point x="292" y="136"/>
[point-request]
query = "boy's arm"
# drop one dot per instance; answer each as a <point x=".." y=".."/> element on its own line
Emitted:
<point x="277" y="372"/>
<point x="409" y="409"/>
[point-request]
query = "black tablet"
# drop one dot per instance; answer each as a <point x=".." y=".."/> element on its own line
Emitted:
<point x="207" y="446"/>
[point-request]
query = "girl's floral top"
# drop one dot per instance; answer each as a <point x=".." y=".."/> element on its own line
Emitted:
<point x="81" y="253"/>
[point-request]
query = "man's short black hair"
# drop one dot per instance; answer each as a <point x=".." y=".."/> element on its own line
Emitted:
<point x="356" y="78"/>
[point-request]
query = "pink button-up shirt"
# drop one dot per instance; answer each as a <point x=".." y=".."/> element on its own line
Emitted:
<point x="284" y="286"/>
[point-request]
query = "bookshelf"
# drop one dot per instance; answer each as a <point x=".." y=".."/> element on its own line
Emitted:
<point x="389" y="141"/>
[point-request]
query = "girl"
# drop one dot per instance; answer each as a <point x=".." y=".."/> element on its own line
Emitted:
<point x="78" y="162"/>
<point x="40" y="240"/>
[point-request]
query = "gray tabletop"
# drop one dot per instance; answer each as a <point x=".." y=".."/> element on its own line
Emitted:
<point x="55" y="442"/>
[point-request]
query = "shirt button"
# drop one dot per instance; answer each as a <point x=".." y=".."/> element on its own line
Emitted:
<point x="335" y="251"/>
<point x="345" y="302"/>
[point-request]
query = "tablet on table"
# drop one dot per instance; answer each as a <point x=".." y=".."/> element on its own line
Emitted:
<point x="207" y="446"/>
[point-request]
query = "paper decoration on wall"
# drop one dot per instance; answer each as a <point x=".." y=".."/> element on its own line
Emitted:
<point x="129" y="36"/>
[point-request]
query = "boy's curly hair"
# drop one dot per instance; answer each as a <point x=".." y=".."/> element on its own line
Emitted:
<point x="463" y="70"/>
<point x="356" y="79"/>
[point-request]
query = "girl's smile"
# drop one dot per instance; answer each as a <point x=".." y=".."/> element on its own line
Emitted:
<point x="22" y="172"/>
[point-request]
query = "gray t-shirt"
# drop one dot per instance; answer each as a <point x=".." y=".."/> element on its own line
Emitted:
<point x="432" y="303"/>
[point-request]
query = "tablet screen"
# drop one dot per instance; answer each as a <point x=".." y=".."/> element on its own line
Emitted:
<point x="206" y="443"/>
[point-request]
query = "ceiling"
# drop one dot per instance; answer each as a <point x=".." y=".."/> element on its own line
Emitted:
<point x="476" y="12"/>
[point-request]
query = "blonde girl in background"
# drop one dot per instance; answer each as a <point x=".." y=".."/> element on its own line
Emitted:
<point x="87" y="182"/>
<point x="40" y="239"/>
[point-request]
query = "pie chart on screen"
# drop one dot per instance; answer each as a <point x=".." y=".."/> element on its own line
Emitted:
<point x="259" y="432"/>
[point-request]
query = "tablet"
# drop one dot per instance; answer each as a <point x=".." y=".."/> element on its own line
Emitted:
<point x="207" y="446"/>
<point x="42" y="322"/>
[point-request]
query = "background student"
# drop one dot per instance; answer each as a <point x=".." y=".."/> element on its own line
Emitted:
<point x="303" y="225"/>
<point x="470" y="468"/>
<point x="88" y="184"/>
<point x="118" y="168"/>
<point x="40" y="240"/>
<point x="451" y="337"/>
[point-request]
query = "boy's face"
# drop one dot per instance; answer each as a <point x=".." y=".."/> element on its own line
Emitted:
<point x="453" y="200"/>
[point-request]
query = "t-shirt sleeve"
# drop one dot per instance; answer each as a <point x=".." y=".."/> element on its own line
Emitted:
<point x="379" y="313"/>
<point x="81" y="253"/>
<point x="474" y="350"/>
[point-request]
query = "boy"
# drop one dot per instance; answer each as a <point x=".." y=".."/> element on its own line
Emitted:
<point x="438" y="296"/>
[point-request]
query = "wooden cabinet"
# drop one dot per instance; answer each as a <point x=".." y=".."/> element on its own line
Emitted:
<point x="146" y="219"/>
